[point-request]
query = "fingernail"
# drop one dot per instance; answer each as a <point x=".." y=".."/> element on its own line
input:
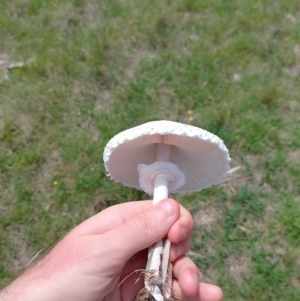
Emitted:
<point x="167" y="207"/>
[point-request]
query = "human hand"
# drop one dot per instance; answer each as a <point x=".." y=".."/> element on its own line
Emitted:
<point x="92" y="259"/>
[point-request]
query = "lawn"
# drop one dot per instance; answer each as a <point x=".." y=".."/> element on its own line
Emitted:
<point x="93" y="68"/>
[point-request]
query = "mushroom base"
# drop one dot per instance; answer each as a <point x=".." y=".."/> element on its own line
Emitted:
<point x="144" y="295"/>
<point x="165" y="288"/>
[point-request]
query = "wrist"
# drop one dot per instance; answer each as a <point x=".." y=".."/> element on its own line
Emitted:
<point x="22" y="288"/>
<point x="13" y="292"/>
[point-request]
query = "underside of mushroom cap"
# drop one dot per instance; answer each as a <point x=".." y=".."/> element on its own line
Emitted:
<point x="201" y="155"/>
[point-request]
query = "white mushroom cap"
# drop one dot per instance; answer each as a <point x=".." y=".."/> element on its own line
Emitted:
<point x="201" y="155"/>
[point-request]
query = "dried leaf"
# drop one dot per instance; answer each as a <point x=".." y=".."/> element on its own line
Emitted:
<point x="244" y="229"/>
<point x="291" y="18"/>
<point x="5" y="65"/>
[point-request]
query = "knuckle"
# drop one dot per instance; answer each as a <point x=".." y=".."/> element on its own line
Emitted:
<point x="143" y="224"/>
<point x="186" y="217"/>
<point x="188" y="244"/>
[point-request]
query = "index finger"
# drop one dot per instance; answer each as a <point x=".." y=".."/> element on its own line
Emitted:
<point x="117" y="215"/>
<point x="186" y="285"/>
<point x="112" y="217"/>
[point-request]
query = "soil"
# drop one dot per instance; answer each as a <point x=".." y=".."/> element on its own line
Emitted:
<point x="144" y="294"/>
<point x="238" y="267"/>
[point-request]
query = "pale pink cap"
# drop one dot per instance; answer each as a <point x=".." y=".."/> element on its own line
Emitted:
<point x="201" y="155"/>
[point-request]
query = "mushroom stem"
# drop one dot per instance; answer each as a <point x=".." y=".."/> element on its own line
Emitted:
<point x="161" y="188"/>
<point x="161" y="191"/>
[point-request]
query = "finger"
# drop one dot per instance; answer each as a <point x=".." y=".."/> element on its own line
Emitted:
<point x="187" y="275"/>
<point x="184" y="263"/>
<point x="179" y="294"/>
<point x="183" y="228"/>
<point x="180" y="249"/>
<point x="112" y="217"/>
<point x="206" y="292"/>
<point x="209" y="292"/>
<point x="142" y="231"/>
<point x="187" y="283"/>
<point x="116" y="215"/>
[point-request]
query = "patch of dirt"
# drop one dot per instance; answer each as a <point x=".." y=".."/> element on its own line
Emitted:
<point x="294" y="155"/>
<point x="134" y="58"/>
<point x="288" y="108"/>
<point x="17" y="240"/>
<point x="238" y="267"/>
<point x="279" y="250"/>
<point x="294" y="104"/>
<point x="293" y="71"/>
<point x="232" y="182"/>
<point x="2" y="122"/>
<point x="274" y="248"/>
<point x="25" y="124"/>
<point x="291" y="18"/>
<point x="99" y="204"/>
<point x="295" y="281"/>
<point x="250" y="225"/>
<point x="209" y="275"/>
<point x="47" y="171"/>
<point x="205" y="217"/>
<point x="257" y="177"/>
<point x="239" y="177"/>
<point x="267" y="187"/>
<point x="254" y="163"/>
<point x="271" y="209"/>
<point x="251" y="159"/>
<point x="90" y="15"/>
<point x="77" y="89"/>
<point x="105" y="99"/>
<point x="5" y="65"/>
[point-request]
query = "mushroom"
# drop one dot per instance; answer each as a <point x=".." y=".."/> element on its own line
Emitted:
<point x="161" y="157"/>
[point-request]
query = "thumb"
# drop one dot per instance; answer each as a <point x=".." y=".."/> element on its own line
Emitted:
<point x="143" y="230"/>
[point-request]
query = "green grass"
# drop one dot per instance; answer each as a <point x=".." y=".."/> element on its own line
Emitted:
<point x="94" y="68"/>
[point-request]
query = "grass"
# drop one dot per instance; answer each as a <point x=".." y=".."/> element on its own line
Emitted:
<point x="94" y="68"/>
